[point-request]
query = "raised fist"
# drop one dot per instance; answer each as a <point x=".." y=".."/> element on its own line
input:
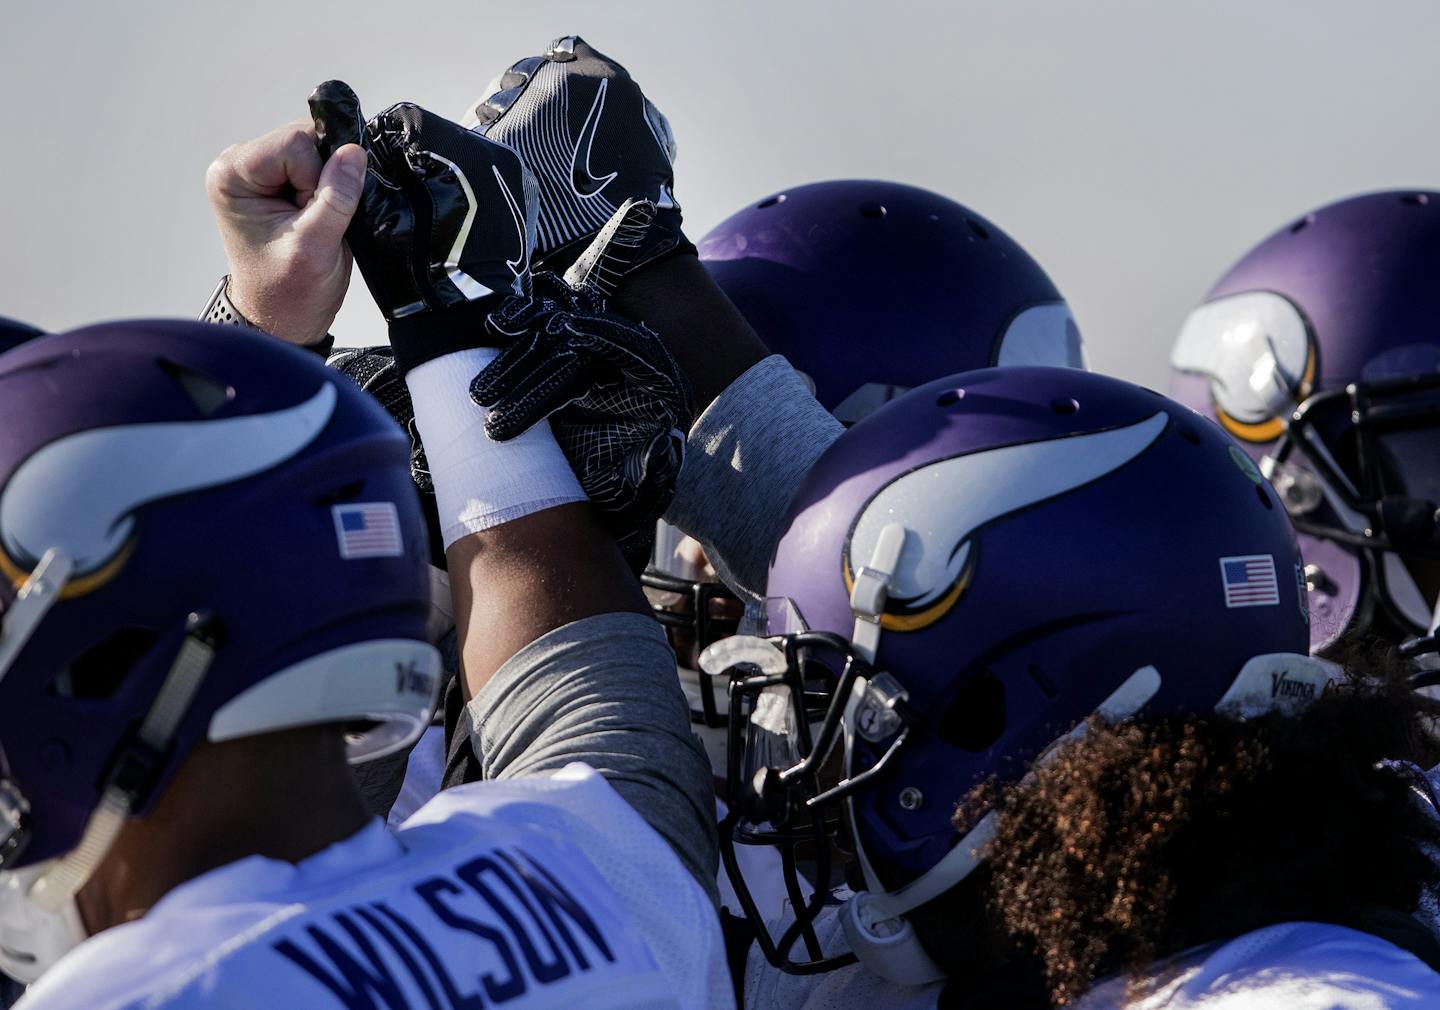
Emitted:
<point x="446" y="223"/>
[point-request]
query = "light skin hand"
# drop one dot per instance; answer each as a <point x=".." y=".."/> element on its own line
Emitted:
<point x="282" y="217"/>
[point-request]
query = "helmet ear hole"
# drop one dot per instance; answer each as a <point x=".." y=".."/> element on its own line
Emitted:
<point x="98" y="672"/>
<point x="976" y="718"/>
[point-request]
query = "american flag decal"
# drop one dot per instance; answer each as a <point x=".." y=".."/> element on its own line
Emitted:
<point x="1249" y="581"/>
<point x="368" y="530"/>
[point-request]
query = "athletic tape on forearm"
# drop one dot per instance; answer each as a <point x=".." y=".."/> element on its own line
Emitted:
<point x="744" y="461"/>
<point x="480" y="483"/>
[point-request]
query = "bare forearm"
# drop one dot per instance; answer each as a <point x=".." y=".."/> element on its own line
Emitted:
<point x="521" y="580"/>
<point x="706" y="333"/>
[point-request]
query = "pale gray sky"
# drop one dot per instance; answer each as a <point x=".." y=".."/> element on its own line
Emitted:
<point x="1136" y="148"/>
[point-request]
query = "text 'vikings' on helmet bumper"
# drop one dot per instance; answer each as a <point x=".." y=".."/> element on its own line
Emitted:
<point x="968" y="574"/>
<point x="1318" y="352"/>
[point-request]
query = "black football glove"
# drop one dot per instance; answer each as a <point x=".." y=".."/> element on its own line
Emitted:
<point x="592" y="139"/>
<point x="446" y="223"/>
<point x="617" y="401"/>
<point x="623" y="434"/>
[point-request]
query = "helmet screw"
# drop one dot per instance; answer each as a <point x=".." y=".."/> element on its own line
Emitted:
<point x="911" y="798"/>
<point x="1315" y="579"/>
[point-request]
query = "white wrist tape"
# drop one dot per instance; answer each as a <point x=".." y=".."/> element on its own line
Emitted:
<point x="480" y="483"/>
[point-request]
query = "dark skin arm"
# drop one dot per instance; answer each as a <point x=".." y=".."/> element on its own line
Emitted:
<point x="521" y="580"/>
<point x="526" y="578"/>
<point x="708" y="336"/>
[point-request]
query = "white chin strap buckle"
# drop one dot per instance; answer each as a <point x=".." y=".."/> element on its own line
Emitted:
<point x="872" y="589"/>
<point x="889" y="947"/>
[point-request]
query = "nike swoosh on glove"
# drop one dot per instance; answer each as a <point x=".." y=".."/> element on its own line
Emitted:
<point x="619" y="404"/>
<point x="446" y="224"/>
<point x="592" y="139"/>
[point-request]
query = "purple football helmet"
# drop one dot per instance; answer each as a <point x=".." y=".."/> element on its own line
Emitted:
<point x="870" y="288"/>
<point x="1320" y="353"/>
<point x="205" y="534"/>
<point x="966" y="575"/>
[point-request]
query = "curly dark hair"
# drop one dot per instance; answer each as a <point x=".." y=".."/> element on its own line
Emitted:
<point x="1147" y="838"/>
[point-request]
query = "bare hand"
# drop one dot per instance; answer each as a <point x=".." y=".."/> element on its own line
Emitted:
<point x="283" y="216"/>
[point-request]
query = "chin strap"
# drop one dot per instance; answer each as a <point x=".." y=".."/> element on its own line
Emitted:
<point x="134" y="773"/>
<point x="875" y="924"/>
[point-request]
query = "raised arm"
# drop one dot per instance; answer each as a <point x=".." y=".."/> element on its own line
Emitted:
<point x="560" y="660"/>
<point x="760" y="428"/>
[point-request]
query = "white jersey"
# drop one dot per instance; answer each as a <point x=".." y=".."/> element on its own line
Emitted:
<point x="529" y="893"/>
<point x="424" y="770"/>
<point x="1295" y="965"/>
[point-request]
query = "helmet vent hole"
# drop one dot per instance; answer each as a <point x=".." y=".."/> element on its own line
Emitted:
<point x="344" y="493"/>
<point x="101" y="669"/>
<point x="976" y="718"/>
<point x="207" y="394"/>
<point x="981" y="232"/>
<point x="1302" y="224"/>
<point x="1189" y="435"/>
<point x="1415" y="199"/>
<point x="1043" y="682"/>
<point x="1064" y="406"/>
<point x="1264" y="498"/>
<point x="770" y="201"/>
<point x="871" y="209"/>
<point x="950" y="397"/>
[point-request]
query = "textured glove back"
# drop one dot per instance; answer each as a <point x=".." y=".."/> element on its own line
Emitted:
<point x="592" y="139"/>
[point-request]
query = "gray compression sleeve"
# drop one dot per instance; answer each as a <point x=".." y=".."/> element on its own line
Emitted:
<point x="603" y="690"/>
<point x="744" y="460"/>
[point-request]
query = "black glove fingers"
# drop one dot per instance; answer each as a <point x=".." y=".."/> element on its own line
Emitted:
<point x="510" y="365"/>
<point x="616" y="345"/>
<point x="521" y="313"/>
<point x="503" y="92"/>
<point x="386" y="266"/>
<point x="535" y="396"/>
<point x="636" y="376"/>
<point x="589" y="60"/>
<point x="335" y="108"/>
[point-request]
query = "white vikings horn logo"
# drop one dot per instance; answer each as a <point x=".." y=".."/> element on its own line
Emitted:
<point x="80" y="492"/>
<point x="943" y="505"/>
